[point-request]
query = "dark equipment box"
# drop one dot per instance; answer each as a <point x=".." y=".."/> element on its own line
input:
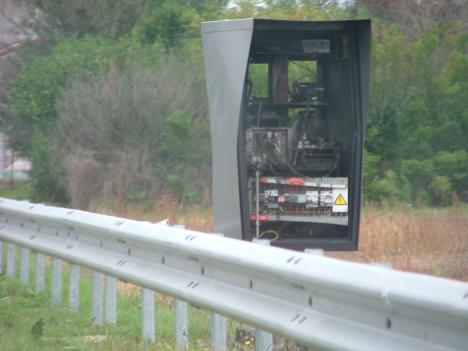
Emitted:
<point x="288" y="107"/>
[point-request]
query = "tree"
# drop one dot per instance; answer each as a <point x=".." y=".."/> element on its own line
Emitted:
<point x="417" y="16"/>
<point x="70" y="18"/>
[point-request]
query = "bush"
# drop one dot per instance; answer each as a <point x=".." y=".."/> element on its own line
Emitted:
<point x="140" y="130"/>
<point x="33" y="91"/>
<point x="441" y="188"/>
<point x="47" y="182"/>
<point x="31" y="122"/>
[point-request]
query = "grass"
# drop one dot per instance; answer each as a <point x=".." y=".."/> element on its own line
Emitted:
<point x="20" y="191"/>
<point x="429" y="241"/>
<point x="193" y="217"/>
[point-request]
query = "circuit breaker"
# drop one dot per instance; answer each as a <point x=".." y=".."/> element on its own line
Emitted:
<point x="287" y="103"/>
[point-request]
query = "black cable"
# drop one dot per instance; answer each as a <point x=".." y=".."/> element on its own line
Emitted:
<point x="259" y="113"/>
<point x="286" y="163"/>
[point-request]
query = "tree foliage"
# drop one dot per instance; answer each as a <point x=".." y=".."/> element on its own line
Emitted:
<point x="121" y="89"/>
<point x="71" y="18"/>
<point x="413" y="117"/>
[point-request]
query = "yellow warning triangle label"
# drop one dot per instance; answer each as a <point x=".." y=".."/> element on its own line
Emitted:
<point x="340" y="200"/>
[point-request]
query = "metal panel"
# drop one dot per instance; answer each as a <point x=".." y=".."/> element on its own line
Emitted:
<point x="318" y="301"/>
<point x="74" y="293"/>
<point x="226" y="46"/>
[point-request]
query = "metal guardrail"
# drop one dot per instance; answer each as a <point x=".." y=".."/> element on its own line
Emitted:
<point x="319" y="302"/>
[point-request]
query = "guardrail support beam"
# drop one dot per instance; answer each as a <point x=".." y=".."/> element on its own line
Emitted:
<point x="218" y="328"/>
<point x="56" y="281"/>
<point x="111" y="300"/>
<point x="181" y="317"/>
<point x="24" y="275"/>
<point x="1" y="257"/>
<point x="218" y="332"/>
<point x="147" y="315"/>
<point x="74" y="297"/>
<point x="263" y="340"/>
<point x="40" y="272"/>
<point x="11" y="260"/>
<point x="181" y="324"/>
<point x="97" y="298"/>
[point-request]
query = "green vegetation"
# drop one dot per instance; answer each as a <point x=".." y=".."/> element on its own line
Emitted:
<point x="416" y="140"/>
<point x="17" y="192"/>
<point x="135" y="68"/>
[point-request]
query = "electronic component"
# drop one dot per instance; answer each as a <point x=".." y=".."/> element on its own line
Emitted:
<point x="300" y="200"/>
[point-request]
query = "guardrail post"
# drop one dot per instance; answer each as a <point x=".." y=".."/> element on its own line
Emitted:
<point x="111" y="300"/>
<point x="97" y="298"/>
<point x="218" y="332"/>
<point x="181" y="317"/>
<point x="218" y="328"/>
<point x="56" y="281"/>
<point x="24" y="274"/>
<point x="181" y="324"/>
<point x="11" y="260"/>
<point x="263" y="339"/>
<point x="1" y="257"/>
<point x="74" y="297"/>
<point x="147" y="315"/>
<point x="40" y="272"/>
